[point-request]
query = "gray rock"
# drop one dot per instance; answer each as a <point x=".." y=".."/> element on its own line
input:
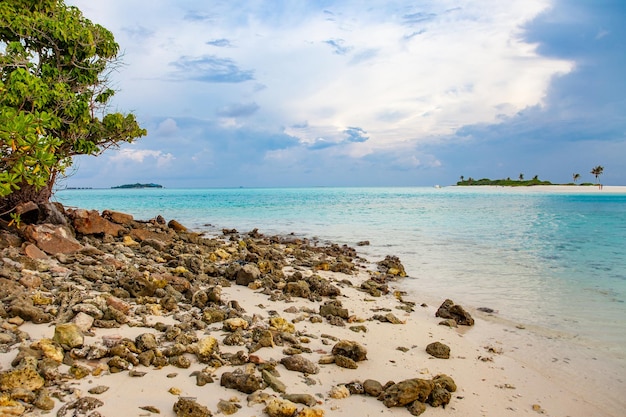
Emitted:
<point x="299" y="363"/>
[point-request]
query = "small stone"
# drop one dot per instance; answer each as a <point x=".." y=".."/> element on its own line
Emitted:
<point x="188" y="407"/>
<point x="407" y="391"/>
<point x="68" y="335"/>
<point x="43" y="400"/>
<point x="339" y="392"/>
<point x="280" y="408"/>
<point x="151" y="409"/>
<point x="235" y="323"/>
<point x="372" y="388"/>
<point x="345" y="362"/>
<point x="98" y="390"/>
<point x="350" y="349"/>
<point x="228" y="407"/>
<point x="416" y="408"/>
<point x="306" y="399"/>
<point x="282" y="325"/>
<point x="438" y="350"/>
<point x="83" y="321"/>
<point x="273" y="382"/>
<point x="205" y="348"/>
<point x="299" y="363"/>
<point x="242" y="382"/>
<point x="310" y="412"/>
<point x="174" y="391"/>
<point x="26" y="378"/>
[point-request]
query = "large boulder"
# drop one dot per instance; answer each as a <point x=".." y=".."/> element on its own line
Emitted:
<point x="52" y="239"/>
<point x="350" y="349"/>
<point x="407" y="391"/>
<point x="449" y="310"/>
<point x="90" y="222"/>
<point x="249" y="273"/>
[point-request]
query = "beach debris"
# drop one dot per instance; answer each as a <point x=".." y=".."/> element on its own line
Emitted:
<point x="449" y="310"/>
<point x="438" y="350"/>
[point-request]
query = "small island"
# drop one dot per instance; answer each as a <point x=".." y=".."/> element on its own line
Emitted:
<point x="138" y="185"/>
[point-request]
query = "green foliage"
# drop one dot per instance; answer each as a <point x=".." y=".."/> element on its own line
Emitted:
<point x="597" y="171"/>
<point x="504" y="182"/>
<point x="53" y="94"/>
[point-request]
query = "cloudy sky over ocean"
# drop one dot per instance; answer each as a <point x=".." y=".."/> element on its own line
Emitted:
<point x="323" y="93"/>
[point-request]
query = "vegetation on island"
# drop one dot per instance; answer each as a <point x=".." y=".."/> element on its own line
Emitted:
<point x="138" y="185"/>
<point x="54" y="96"/>
<point x="508" y="182"/>
<point x="521" y="182"/>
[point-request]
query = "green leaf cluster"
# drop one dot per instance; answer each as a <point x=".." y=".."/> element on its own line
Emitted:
<point x="54" y="93"/>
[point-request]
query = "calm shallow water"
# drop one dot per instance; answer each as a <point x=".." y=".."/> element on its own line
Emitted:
<point x="555" y="260"/>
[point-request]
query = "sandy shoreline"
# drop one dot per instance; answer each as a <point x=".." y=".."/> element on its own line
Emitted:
<point x="573" y="189"/>
<point x="499" y="369"/>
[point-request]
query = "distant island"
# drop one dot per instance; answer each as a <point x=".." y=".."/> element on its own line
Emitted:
<point x="138" y="185"/>
<point x="508" y="182"/>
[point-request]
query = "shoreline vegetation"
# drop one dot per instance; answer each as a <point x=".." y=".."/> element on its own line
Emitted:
<point x="111" y="315"/>
<point x="515" y="183"/>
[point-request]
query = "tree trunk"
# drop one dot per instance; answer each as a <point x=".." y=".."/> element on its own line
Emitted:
<point x="25" y="194"/>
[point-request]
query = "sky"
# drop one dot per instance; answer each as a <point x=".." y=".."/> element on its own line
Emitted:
<point x="288" y="93"/>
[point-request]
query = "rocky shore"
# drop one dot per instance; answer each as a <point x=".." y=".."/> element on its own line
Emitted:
<point x="101" y="294"/>
<point x="105" y="315"/>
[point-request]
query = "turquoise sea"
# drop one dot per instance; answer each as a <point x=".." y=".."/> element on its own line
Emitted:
<point x="552" y="260"/>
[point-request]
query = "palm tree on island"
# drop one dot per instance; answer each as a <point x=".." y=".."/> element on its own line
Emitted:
<point x="521" y="177"/>
<point x="575" y="177"/>
<point x="597" y="171"/>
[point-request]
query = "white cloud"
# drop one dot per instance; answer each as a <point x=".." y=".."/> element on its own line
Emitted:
<point x="141" y="155"/>
<point x="401" y="71"/>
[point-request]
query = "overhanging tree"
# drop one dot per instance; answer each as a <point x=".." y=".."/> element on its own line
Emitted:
<point x="54" y="95"/>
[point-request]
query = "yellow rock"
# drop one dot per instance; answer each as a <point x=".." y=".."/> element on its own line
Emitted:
<point x="129" y="241"/>
<point x="49" y="349"/>
<point x="180" y="270"/>
<point x="310" y="412"/>
<point x="26" y="378"/>
<point x="9" y="407"/>
<point x="41" y="300"/>
<point x="235" y="323"/>
<point x="206" y="347"/>
<point x="280" y="408"/>
<point x="175" y="391"/>
<point x="222" y="253"/>
<point x="282" y="325"/>
<point x="339" y="392"/>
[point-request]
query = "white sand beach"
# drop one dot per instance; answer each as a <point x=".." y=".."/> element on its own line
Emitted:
<point x="518" y="377"/>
